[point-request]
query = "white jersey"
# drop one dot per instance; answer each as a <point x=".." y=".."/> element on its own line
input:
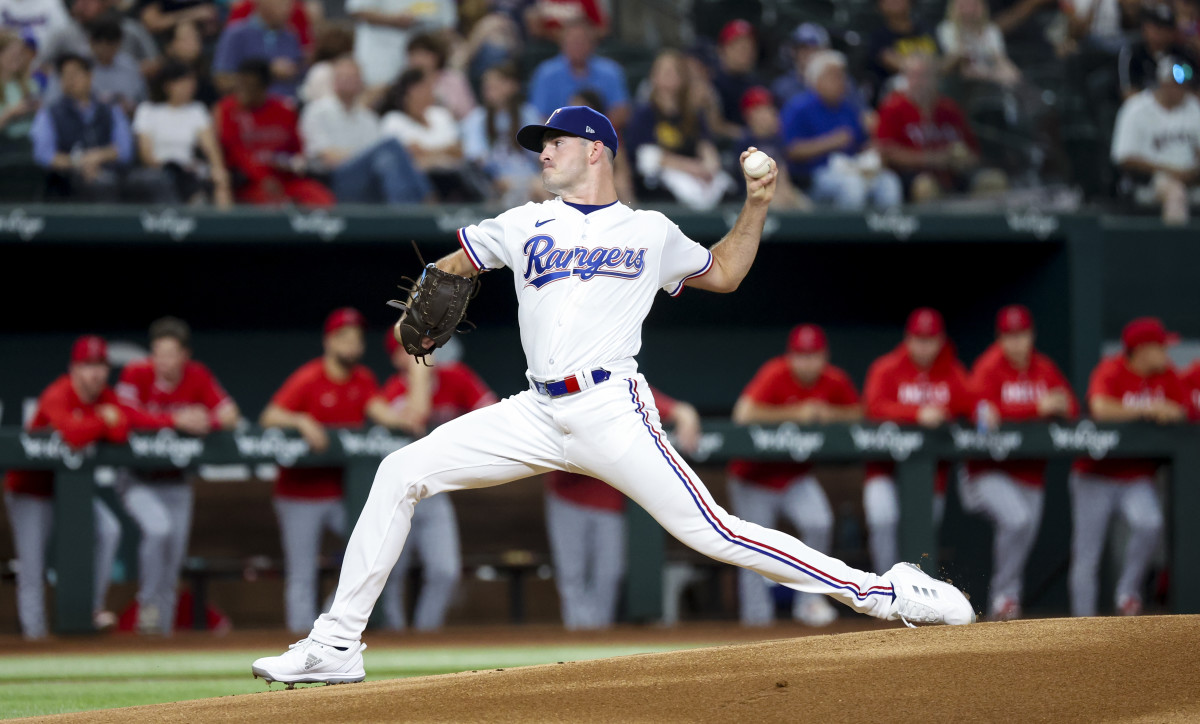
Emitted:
<point x="1146" y="130"/>
<point x="585" y="282"/>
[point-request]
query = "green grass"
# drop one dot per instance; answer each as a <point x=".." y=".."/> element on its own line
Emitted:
<point x="38" y="685"/>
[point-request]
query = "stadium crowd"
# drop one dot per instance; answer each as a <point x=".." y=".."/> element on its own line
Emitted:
<point x="921" y="382"/>
<point x="404" y="102"/>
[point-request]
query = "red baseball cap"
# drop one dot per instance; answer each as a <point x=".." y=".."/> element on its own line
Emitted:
<point x="755" y="97"/>
<point x="733" y="30"/>
<point x="390" y="343"/>
<point x="344" y="317"/>
<point x="1146" y="330"/>
<point x="89" y="348"/>
<point x="807" y="338"/>
<point x="925" y="322"/>
<point x="1014" y="318"/>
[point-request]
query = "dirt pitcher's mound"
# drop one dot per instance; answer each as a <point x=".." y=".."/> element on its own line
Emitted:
<point x="1086" y="670"/>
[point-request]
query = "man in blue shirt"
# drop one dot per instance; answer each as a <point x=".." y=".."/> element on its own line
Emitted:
<point x="86" y="146"/>
<point x="577" y="68"/>
<point x="265" y="34"/>
<point x="825" y="138"/>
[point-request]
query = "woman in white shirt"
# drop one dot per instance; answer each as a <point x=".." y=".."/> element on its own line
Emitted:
<point x="973" y="45"/>
<point x="172" y="128"/>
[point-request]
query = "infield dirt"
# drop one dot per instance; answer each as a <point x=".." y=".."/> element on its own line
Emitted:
<point x="1055" y="670"/>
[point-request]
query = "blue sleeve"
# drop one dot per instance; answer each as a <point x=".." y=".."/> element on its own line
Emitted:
<point x="43" y="137"/>
<point x="617" y="92"/>
<point x="474" y="135"/>
<point x="225" y="57"/>
<point x="540" y="92"/>
<point x="795" y="123"/>
<point x="122" y="138"/>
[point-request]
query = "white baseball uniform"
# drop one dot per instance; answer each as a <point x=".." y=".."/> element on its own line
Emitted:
<point x="584" y="283"/>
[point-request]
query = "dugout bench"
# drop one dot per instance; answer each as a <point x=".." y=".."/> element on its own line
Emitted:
<point x="915" y="452"/>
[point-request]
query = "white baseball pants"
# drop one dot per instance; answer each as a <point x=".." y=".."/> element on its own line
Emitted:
<point x="804" y="503"/>
<point x="610" y="431"/>
<point x="302" y="524"/>
<point x="1015" y="510"/>
<point x="32" y="520"/>
<point x="588" y="548"/>
<point x="1094" y="499"/>
<point x="163" y="512"/>
<point x="435" y="535"/>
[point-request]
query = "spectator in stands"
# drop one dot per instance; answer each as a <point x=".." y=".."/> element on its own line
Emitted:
<point x="1187" y="20"/>
<point x="585" y="525"/>
<point x="172" y="128"/>
<point x="116" y="77"/>
<point x="298" y="20"/>
<point x="828" y="149"/>
<point x="670" y="143"/>
<point x="430" y="397"/>
<point x="334" y="390"/>
<point x="82" y="409"/>
<point x="345" y="138"/>
<point x="186" y="47"/>
<point x="764" y="131"/>
<point x="431" y="136"/>
<point x="798" y="387"/>
<point x="40" y="19"/>
<point x="18" y="98"/>
<point x="1135" y="384"/>
<point x="1156" y="142"/>
<point x="265" y="34"/>
<point x="924" y="137"/>
<point x="1137" y="64"/>
<point x="451" y="89"/>
<point x="805" y="40"/>
<point x="1096" y="26"/>
<point x="973" y="46"/>
<point x="578" y="67"/>
<point x="545" y="18"/>
<point x="332" y="42"/>
<point x="383" y="31"/>
<point x="920" y="382"/>
<point x="87" y="147"/>
<point x="73" y="36"/>
<point x="1014" y="383"/>
<point x="495" y="39"/>
<point x="737" y="56"/>
<point x="896" y="39"/>
<point x="489" y="137"/>
<point x="162" y="17"/>
<point x="1032" y="28"/>
<point x="168" y="382"/>
<point x="261" y="143"/>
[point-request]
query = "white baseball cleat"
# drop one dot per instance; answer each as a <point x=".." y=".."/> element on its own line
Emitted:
<point x="923" y="599"/>
<point x="311" y="662"/>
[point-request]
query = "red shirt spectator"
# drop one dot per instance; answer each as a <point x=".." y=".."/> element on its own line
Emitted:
<point x="901" y="390"/>
<point x="332" y="403"/>
<point x="774" y="384"/>
<point x="80" y="419"/>
<point x="1113" y="378"/>
<point x="592" y="493"/>
<point x="261" y="141"/>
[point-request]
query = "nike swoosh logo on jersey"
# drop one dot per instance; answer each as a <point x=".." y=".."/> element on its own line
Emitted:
<point x="537" y="224"/>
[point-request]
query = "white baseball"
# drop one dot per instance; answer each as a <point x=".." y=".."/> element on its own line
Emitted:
<point x="757" y="164"/>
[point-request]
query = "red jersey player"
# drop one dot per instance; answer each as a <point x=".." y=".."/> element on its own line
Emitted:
<point x="167" y="382"/>
<point x="333" y="390"/>
<point x="920" y="382"/>
<point x="585" y="524"/>
<point x="1138" y="384"/>
<point x="798" y="387"/>
<point x="1017" y="383"/>
<point x="453" y="391"/>
<point x="82" y="409"/>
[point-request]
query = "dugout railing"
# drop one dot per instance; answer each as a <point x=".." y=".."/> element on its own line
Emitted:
<point x="915" y="452"/>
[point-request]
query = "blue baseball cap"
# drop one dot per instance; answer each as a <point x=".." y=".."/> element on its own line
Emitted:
<point x="578" y="121"/>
